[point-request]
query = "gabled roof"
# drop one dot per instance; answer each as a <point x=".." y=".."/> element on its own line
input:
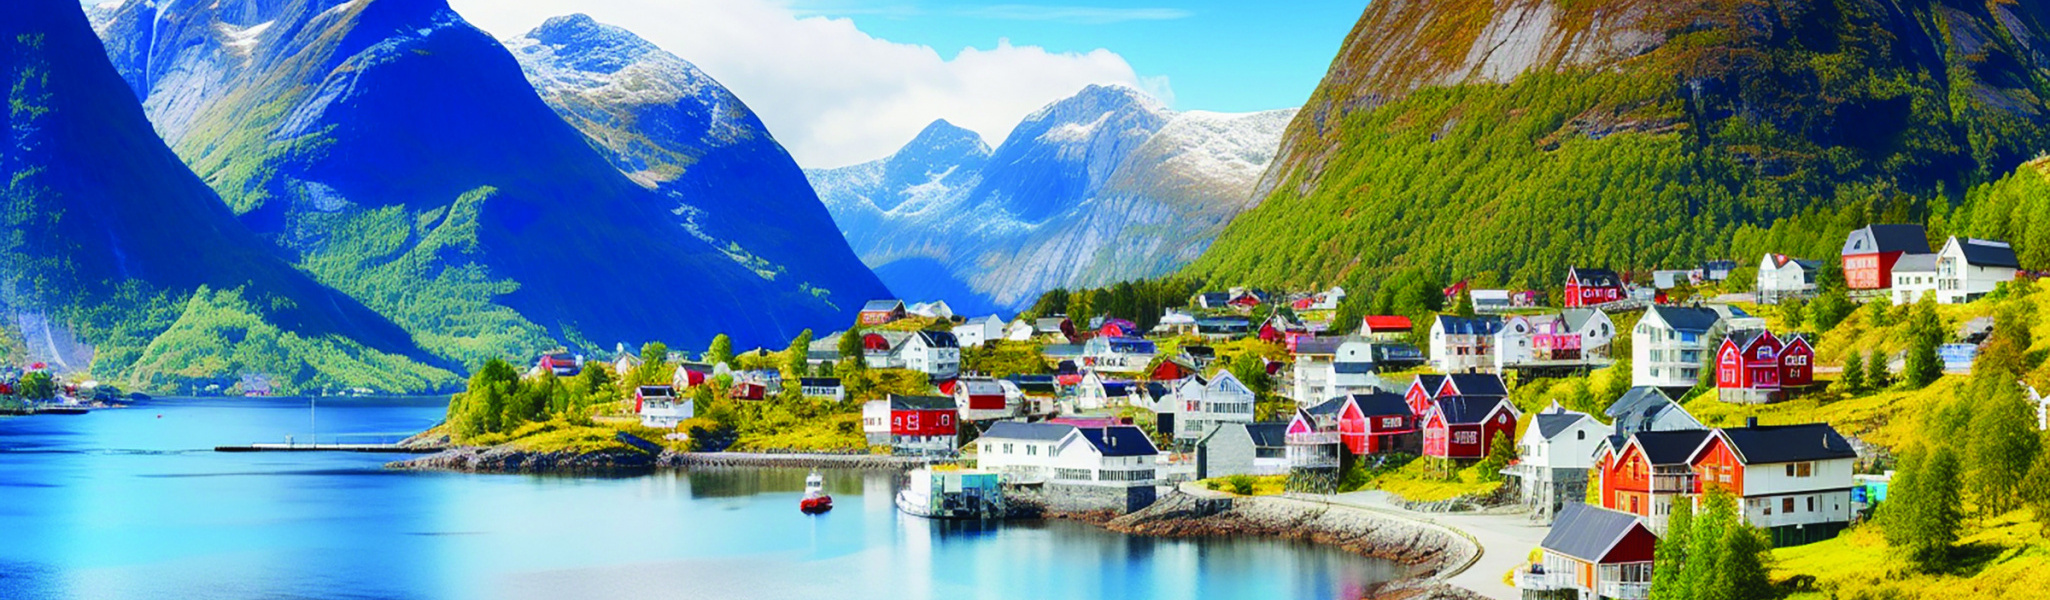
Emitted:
<point x="1318" y="346"/>
<point x="1550" y="425"/>
<point x="1272" y="435"/>
<point x="819" y="381"/>
<point x="883" y="306"/>
<point x="1637" y="399"/>
<point x="1593" y="277"/>
<point x="1467" y="410"/>
<point x="1431" y="382"/>
<point x="1577" y="318"/>
<point x="1486" y="325"/>
<point x="1915" y="263"/>
<point x="1687" y="319"/>
<point x="1669" y="447"/>
<point x="1381" y="404"/>
<point x="1987" y="253"/>
<point x="1037" y="432"/>
<point x="938" y="339"/>
<point x="1122" y="440"/>
<point x="921" y="402"/>
<point x="1589" y="533"/>
<point x="1382" y="323"/>
<point x="1872" y="239"/>
<point x="1769" y="444"/>
<point x="1327" y="407"/>
<point x="657" y="391"/>
<point x="1743" y="338"/>
<point x="1479" y="384"/>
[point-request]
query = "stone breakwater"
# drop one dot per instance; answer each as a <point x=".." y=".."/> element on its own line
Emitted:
<point x="509" y="460"/>
<point x="1430" y="552"/>
<point x="868" y="462"/>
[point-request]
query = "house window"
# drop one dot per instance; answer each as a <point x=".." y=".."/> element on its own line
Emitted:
<point x="1787" y="506"/>
<point x="1804" y="470"/>
<point x="1007" y="448"/>
<point x="1725" y="476"/>
<point x="1466" y="437"/>
<point x="1031" y="450"/>
<point x="1811" y="504"/>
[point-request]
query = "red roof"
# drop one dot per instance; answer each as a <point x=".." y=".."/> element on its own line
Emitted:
<point x="1385" y="323"/>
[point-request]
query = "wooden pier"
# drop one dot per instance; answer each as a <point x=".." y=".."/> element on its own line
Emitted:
<point x="364" y="448"/>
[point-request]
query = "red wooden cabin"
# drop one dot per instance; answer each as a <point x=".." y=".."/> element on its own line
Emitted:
<point x="1590" y="287"/>
<point x="1462" y="427"/>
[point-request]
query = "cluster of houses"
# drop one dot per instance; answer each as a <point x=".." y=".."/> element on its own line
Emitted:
<point x="1894" y="261"/>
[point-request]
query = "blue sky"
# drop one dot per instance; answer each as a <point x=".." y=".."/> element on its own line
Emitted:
<point x="1219" y="55"/>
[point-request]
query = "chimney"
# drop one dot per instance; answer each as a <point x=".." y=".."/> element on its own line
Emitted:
<point x="1750" y="421"/>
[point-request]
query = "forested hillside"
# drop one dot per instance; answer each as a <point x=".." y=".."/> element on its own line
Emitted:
<point x="1520" y="137"/>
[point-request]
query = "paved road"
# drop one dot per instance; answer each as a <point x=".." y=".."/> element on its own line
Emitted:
<point x="1506" y="540"/>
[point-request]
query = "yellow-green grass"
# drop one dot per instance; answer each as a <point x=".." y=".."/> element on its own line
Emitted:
<point x="837" y="433"/>
<point x="2002" y="557"/>
<point x="1887" y="418"/>
<point x="1263" y="485"/>
<point x="1419" y="481"/>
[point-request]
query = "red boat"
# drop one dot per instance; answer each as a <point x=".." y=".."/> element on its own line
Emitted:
<point x="815" y="499"/>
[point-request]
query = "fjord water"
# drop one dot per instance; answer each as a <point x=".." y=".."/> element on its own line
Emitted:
<point x="132" y="503"/>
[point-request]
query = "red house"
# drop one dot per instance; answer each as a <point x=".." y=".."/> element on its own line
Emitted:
<point x="1596" y="552"/>
<point x="748" y="390"/>
<point x="1870" y="253"/>
<point x="1385" y="325"/>
<point x="1463" y="427"/>
<point x="879" y="312"/>
<point x="1171" y="369"/>
<point x="1376" y="423"/>
<point x="1649" y="472"/>
<point x="1245" y="301"/>
<point x="1427" y="388"/>
<point x="1591" y="287"/>
<point x="1753" y="366"/>
<point x="562" y="364"/>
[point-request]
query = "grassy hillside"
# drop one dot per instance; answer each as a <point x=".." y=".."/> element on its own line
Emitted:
<point x="1714" y="135"/>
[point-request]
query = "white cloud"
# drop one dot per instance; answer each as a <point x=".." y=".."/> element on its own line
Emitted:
<point x="831" y="93"/>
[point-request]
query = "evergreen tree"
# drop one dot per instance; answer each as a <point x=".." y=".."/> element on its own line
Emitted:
<point x="2036" y="495"/>
<point x="1938" y="515"/>
<point x="721" y="350"/>
<point x="850" y="346"/>
<point x="1921" y="366"/>
<point x="1853" y="379"/>
<point x="1706" y="545"/>
<point x="1500" y="452"/>
<point x="654" y="369"/>
<point x="1897" y="518"/>
<point x="1828" y="309"/>
<point x="1876" y="375"/>
<point x="798" y="363"/>
<point x="1670" y="557"/>
<point x="1745" y="574"/>
<point x="2002" y="445"/>
<point x="1462" y="305"/>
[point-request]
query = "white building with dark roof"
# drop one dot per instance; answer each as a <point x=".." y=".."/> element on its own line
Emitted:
<point x="1968" y="268"/>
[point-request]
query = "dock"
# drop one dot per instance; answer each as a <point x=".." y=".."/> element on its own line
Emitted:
<point x="364" y="448"/>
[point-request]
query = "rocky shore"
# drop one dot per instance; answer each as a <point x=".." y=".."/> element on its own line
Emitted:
<point x="868" y="462"/>
<point x="1430" y="553"/>
<point x="510" y="460"/>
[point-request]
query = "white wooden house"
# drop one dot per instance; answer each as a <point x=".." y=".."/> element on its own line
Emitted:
<point x="1553" y="458"/>
<point x="1781" y="276"/>
<point x="977" y="332"/>
<point x="1967" y="268"/>
<point x="1670" y="343"/>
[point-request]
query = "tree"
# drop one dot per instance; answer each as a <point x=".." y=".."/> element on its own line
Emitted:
<point x="1921" y="366"/>
<point x="1876" y="375"/>
<point x="38" y="385"/>
<point x="1670" y="558"/>
<point x="1462" y="305"/>
<point x="1500" y="452"/>
<point x="2002" y="446"/>
<point x="721" y="350"/>
<point x="1744" y="574"/>
<point x="799" y="360"/>
<point x="1853" y="379"/>
<point x="1706" y="545"/>
<point x="655" y="368"/>
<point x="1923" y="511"/>
<point x="2037" y="496"/>
<point x="1828" y="309"/>
<point x="1793" y="312"/>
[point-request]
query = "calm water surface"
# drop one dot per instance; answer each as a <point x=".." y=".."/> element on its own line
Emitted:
<point x="133" y="504"/>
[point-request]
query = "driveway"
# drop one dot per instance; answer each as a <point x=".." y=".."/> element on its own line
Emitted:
<point x="1505" y="539"/>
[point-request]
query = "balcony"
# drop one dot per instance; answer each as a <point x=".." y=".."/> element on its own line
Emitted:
<point x="1621" y="590"/>
<point x="1313" y="439"/>
<point x="1534" y="578"/>
<point x="1673" y="484"/>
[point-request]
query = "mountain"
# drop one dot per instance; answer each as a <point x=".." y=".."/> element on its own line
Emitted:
<point x="1509" y="140"/>
<point x="1101" y="187"/>
<point x="676" y="131"/>
<point x="402" y="156"/>
<point x="115" y="252"/>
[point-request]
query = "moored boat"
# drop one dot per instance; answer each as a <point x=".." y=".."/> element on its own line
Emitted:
<point x="815" y="500"/>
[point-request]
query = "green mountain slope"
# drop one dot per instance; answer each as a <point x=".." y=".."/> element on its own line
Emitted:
<point x="110" y="236"/>
<point x="1519" y="137"/>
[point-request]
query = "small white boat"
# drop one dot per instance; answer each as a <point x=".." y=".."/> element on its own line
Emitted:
<point x="815" y="500"/>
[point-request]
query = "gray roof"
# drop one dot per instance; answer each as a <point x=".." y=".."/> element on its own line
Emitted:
<point x="1577" y="318"/>
<point x="1549" y="425"/>
<point x="1637" y="399"/>
<point x="1318" y="345"/>
<point x="938" y="339"/>
<point x="1988" y="253"/>
<point x="882" y="305"/>
<point x="1688" y="319"/>
<point x="1038" y="432"/>
<point x="921" y="402"/>
<point x="1479" y="384"/>
<point x="1588" y="533"/>
<point x="1466" y="410"/>
<point x="1270" y="435"/>
<point x="1768" y="444"/>
<point x="1887" y="238"/>
<point x="1915" y="263"/>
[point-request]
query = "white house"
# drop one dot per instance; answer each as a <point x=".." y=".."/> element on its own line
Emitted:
<point x="1650" y="409"/>
<point x="1794" y="481"/>
<point x="1022" y="452"/>
<point x="936" y="309"/>
<point x="1097" y="392"/>
<point x="1554" y="456"/>
<point x="828" y="388"/>
<point x="1327" y="368"/>
<point x="934" y="353"/>
<point x="1174" y="322"/>
<point x="1490" y="301"/>
<point x="1781" y="276"/>
<point x="1967" y="268"/>
<point x="1464" y="344"/>
<point x="1118" y="456"/>
<point x="1670" y="343"/>
<point x="1019" y="331"/>
<point x="977" y="332"/>
<point x="1325" y="300"/>
<point x="1199" y="406"/>
<point x="1121" y="355"/>
<point x="660" y="407"/>
<point x="1914" y="276"/>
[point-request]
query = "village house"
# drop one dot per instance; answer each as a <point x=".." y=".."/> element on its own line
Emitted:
<point x="1914" y="277"/>
<point x="1104" y="468"/>
<point x="1324" y="300"/>
<point x="1671" y="344"/>
<point x="1782" y="277"/>
<point x="1372" y="423"/>
<point x="1113" y="327"/>
<point x="1200" y="355"/>
<point x="1593" y="552"/>
<point x="1427" y="388"/>
<point x="1553" y="459"/>
<point x="748" y="390"/>
<point x="828" y="388"/>
<point x="1385" y="327"/>
<point x="1122" y="355"/>
<point x="1223" y="328"/>
<point x="1097" y="392"/>
<point x="1794" y="481"/>
<point x="981" y="399"/>
<point x="1647" y="472"/>
<point x="881" y="312"/>
<point x="1753" y="366"/>
<point x="884" y="349"/>
<point x="936" y="309"/>
<point x="1056" y="329"/>
<point x="1326" y="368"/>
<point x="1717" y="270"/>
<point x="1575" y="337"/>
<point x="1243" y="449"/>
<point x="1314" y="452"/>
<point x="1490" y="301"/>
<point x="1245" y="300"/>
<point x="977" y="332"/>
<point x="562" y="364"/>
<point x="1173" y="368"/>
<point x="1203" y="405"/>
<point x="1279" y="328"/>
<point x="1464" y="344"/>
<point x="1592" y="287"/>
<point x="1463" y="427"/>
<point x="934" y="353"/>
<point x="911" y="425"/>
<point x="1968" y="268"/>
<point x="1869" y="254"/>
<point x="1175" y="323"/>
<point x="661" y="408"/>
<point x="1019" y="331"/>
<point x="625" y="363"/>
<point x="1646" y="408"/>
<point x="1022" y="452"/>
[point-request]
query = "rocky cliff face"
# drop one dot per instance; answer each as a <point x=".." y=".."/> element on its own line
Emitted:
<point x="403" y="156"/>
<point x="1635" y="134"/>
<point x="1102" y="187"/>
